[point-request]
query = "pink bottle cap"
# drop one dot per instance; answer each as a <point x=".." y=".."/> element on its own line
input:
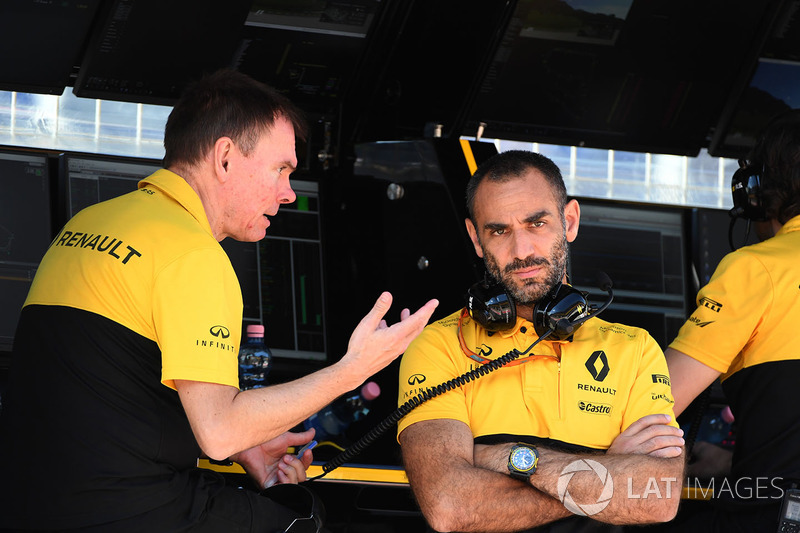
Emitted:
<point x="255" y="331"/>
<point x="370" y="391"/>
<point x="727" y="414"/>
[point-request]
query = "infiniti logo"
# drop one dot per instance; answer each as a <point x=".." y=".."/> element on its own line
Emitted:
<point x="416" y="379"/>
<point x="220" y="331"/>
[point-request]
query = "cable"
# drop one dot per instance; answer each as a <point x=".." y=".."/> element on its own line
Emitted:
<point x="702" y="402"/>
<point x="418" y="400"/>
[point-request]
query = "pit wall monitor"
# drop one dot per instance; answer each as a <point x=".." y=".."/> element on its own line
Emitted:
<point x="25" y="231"/>
<point x="291" y="276"/>
<point x="644" y="250"/>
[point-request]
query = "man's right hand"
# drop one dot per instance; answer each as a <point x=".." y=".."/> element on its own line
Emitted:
<point x="374" y="344"/>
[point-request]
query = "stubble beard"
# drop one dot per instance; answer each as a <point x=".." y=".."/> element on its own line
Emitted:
<point x="531" y="290"/>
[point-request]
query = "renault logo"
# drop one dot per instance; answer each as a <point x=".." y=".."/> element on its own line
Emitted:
<point x="592" y="364"/>
<point x="416" y="379"/>
<point x="220" y="331"/>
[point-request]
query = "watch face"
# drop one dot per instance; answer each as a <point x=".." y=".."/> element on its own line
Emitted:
<point x="523" y="459"/>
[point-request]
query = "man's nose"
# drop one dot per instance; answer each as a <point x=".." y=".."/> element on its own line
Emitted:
<point x="523" y="246"/>
<point x="287" y="195"/>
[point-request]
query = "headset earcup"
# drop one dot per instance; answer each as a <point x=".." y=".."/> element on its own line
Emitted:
<point x="491" y="306"/>
<point x="557" y="311"/>
<point x="746" y="188"/>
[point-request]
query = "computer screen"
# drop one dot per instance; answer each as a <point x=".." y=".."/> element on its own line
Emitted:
<point x="643" y="249"/>
<point x="291" y="278"/>
<point x="710" y="230"/>
<point x="25" y="232"/>
<point x="88" y="179"/>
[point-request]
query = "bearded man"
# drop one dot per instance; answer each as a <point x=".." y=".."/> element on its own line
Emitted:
<point x="575" y="434"/>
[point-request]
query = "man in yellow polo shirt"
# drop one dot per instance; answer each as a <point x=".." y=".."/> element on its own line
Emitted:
<point x="124" y="369"/>
<point x="745" y="329"/>
<point x="580" y="425"/>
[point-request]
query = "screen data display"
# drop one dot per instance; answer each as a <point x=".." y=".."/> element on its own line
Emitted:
<point x="25" y="232"/>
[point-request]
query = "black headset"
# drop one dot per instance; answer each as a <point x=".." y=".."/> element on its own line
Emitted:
<point x="562" y="310"/>
<point x="746" y="188"/>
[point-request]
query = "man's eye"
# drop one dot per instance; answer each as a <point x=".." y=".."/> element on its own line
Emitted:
<point x="538" y="224"/>
<point x="499" y="232"/>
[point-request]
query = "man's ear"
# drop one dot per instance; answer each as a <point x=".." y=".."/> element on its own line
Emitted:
<point x="473" y="234"/>
<point x="223" y="150"/>
<point x="572" y="219"/>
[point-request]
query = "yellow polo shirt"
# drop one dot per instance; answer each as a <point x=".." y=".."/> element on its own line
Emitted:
<point x="164" y="277"/>
<point x="748" y="313"/>
<point x="581" y="393"/>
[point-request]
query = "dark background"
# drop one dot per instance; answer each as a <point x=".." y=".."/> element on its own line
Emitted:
<point x="661" y="76"/>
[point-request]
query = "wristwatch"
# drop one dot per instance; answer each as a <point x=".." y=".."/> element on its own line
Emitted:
<point x="522" y="461"/>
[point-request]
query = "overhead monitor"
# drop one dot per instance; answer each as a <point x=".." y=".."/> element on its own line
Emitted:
<point x="772" y="88"/>
<point x="307" y="50"/>
<point x="25" y="232"/>
<point x="42" y="42"/>
<point x="147" y="51"/>
<point x="636" y="75"/>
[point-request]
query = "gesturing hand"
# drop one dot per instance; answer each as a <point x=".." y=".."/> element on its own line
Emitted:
<point x="374" y="344"/>
<point x="268" y="463"/>
<point x="650" y="435"/>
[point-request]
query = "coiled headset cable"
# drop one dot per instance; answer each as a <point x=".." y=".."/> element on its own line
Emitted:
<point x="558" y="323"/>
<point x="418" y="400"/>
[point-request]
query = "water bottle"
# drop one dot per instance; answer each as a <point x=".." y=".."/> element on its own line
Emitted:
<point x="333" y="420"/>
<point x="254" y="359"/>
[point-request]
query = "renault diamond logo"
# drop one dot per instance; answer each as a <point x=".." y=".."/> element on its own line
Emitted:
<point x="220" y="331"/>
<point x="416" y="379"/>
<point x="592" y="364"/>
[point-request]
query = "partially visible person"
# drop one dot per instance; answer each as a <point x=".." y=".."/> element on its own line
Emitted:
<point x="124" y="366"/>
<point x="591" y="412"/>
<point x="745" y="331"/>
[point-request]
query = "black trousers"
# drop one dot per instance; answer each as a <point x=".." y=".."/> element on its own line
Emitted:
<point x="291" y="508"/>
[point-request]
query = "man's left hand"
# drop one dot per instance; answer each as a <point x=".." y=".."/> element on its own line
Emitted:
<point x="650" y="435"/>
<point x="269" y="464"/>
